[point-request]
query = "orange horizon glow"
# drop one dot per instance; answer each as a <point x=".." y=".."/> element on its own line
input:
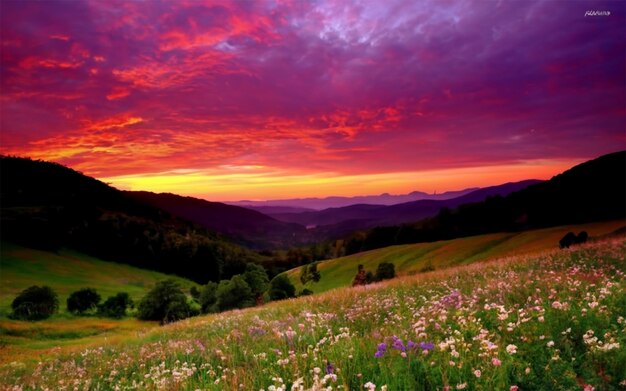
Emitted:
<point x="231" y="100"/>
<point x="261" y="184"/>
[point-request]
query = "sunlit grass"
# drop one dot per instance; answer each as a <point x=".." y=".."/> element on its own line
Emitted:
<point x="415" y="258"/>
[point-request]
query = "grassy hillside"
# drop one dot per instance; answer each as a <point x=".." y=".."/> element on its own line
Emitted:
<point x="67" y="271"/>
<point x="548" y="321"/>
<point x="413" y="258"/>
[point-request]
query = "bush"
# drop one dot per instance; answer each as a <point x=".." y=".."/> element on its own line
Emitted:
<point x="83" y="300"/>
<point x="305" y="292"/>
<point x="385" y="271"/>
<point x="208" y="297"/>
<point x="310" y="273"/>
<point x="234" y="293"/>
<point x="166" y="303"/>
<point x="281" y="288"/>
<point x="115" y="306"/>
<point x="35" y="303"/>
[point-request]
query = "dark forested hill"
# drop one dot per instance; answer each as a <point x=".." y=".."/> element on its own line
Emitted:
<point x="46" y="205"/>
<point x="589" y="192"/>
<point x="253" y="228"/>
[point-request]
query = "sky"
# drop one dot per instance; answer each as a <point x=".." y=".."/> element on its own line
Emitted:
<point x="266" y="99"/>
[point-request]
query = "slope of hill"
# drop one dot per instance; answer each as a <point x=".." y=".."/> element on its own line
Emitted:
<point x="253" y="228"/>
<point x="67" y="271"/>
<point x="355" y="217"/>
<point x="415" y="258"/>
<point x="522" y="323"/>
<point x="591" y="191"/>
<point x="339" y="202"/>
<point x="48" y="206"/>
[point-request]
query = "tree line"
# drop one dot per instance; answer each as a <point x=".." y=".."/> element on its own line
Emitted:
<point x="166" y="302"/>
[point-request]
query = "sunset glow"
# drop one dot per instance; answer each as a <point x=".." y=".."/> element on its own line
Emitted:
<point x="268" y="99"/>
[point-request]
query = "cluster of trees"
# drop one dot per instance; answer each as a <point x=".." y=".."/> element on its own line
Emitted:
<point x="165" y="302"/>
<point x="36" y="303"/>
<point x="384" y="271"/>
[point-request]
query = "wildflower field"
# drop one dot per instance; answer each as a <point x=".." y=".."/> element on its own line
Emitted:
<point x="554" y="320"/>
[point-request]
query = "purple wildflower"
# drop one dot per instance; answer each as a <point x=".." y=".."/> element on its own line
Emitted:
<point x="330" y="369"/>
<point x="426" y="345"/>
<point x="397" y="344"/>
<point x="382" y="348"/>
<point x="410" y="344"/>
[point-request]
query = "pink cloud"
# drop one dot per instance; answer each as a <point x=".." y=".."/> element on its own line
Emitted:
<point x="329" y="86"/>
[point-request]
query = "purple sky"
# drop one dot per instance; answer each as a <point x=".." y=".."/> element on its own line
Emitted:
<point x="261" y="99"/>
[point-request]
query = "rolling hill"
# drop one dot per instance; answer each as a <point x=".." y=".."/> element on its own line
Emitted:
<point x="48" y="206"/>
<point x="251" y="228"/>
<point x="414" y="258"/>
<point x="67" y="271"/>
<point x="589" y="192"/>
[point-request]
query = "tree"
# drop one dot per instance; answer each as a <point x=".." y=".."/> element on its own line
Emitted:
<point x="234" y="293"/>
<point x="281" y="288"/>
<point x="256" y="277"/>
<point x="385" y="271"/>
<point x="208" y="297"/>
<point x="166" y="303"/>
<point x="115" y="306"/>
<point x="361" y="276"/>
<point x="83" y="300"/>
<point x="35" y="303"/>
<point x="309" y="273"/>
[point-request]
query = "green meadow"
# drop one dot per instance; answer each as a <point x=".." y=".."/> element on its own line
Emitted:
<point x="66" y="271"/>
<point x="415" y="258"/>
<point x="548" y="320"/>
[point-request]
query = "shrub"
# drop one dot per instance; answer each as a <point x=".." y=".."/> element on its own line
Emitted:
<point x="166" y="303"/>
<point x="115" y="306"/>
<point x="305" y="292"/>
<point x="35" y="303"/>
<point x="83" y="300"/>
<point x="208" y="297"/>
<point x="281" y="288"/>
<point x="310" y="273"/>
<point x="385" y="271"/>
<point x="234" y="293"/>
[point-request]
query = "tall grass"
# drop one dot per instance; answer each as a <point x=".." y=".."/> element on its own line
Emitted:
<point x="549" y="321"/>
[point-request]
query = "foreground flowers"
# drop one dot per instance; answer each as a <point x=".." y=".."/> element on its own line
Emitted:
<point x="491" y="326"/>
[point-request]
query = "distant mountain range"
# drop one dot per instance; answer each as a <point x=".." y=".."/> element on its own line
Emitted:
<point x="302" y="204"/>
<point x="337" y="221"/>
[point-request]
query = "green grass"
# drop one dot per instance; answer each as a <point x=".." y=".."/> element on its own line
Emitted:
<point x="414" y="258"/>
<point x="552" y="320"/>
<point x="67" y="271"/>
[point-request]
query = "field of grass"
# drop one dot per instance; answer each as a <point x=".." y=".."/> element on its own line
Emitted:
<point x="414" y="258"/>
<point x="553" y="320"/>
<point x="68" y="271"/>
